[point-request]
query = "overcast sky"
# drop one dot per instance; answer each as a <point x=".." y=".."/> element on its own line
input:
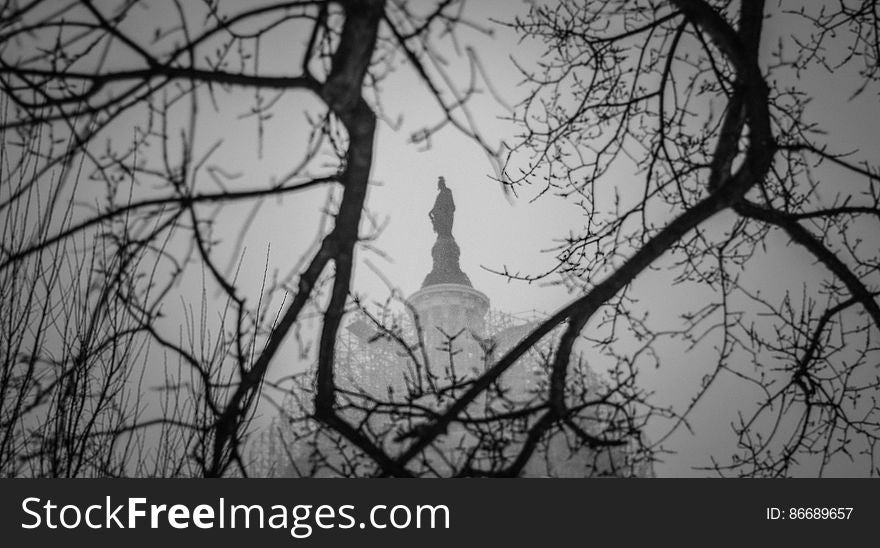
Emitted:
<point x="494" y="229"/>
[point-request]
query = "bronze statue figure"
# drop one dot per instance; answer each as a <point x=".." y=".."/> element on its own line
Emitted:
<point x="443" y="212"/>
<point x="445" y="251"/>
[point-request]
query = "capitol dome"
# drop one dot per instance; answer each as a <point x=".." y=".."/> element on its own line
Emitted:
<point x="399" y="365"/>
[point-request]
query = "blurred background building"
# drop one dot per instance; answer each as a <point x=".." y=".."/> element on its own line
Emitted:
<point x="420" y="353"/>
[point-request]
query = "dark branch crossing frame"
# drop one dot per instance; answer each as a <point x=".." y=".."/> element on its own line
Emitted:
<point x="73" y="407"/>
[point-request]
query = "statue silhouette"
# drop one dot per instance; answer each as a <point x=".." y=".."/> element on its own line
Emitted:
<point x="445" y="251"/>
<point x="443" y="213"/>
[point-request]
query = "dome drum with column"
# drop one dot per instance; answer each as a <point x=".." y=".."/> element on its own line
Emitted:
<point x="450" y="310"/>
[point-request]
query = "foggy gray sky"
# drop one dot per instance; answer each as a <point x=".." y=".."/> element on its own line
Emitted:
<point x="493" y="229"/>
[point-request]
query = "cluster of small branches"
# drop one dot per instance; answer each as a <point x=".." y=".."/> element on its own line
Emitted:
<point x="107" y="223"/>
<point x="713" y="117"/>
<point x="154" y="195"/>
<point x="394" y="379"/>
<point x="136" y="215"/>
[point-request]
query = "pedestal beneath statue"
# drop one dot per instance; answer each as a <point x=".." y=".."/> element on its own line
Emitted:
<point x="446" y="269"/>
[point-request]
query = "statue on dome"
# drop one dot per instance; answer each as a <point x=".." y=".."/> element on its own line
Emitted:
<point x="443" y="212"/>
<point x="445" y="251"/>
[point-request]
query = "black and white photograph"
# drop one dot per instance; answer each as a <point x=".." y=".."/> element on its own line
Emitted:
<point x="440" y="239"/>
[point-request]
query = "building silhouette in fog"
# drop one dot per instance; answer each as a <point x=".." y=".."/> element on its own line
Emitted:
<point x="446" y="334"/>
